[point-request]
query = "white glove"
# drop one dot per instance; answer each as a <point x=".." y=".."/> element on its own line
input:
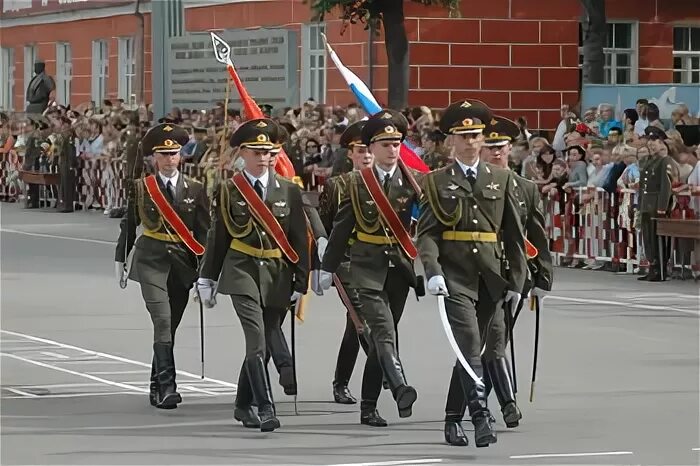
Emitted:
<point x="206" y="289"/>
<point x="325" y="279"/>
<point x="437" y="286"/>
<point x="120" y="273"/>
<point x="295" y="297"/>
<point x="512" y="297"/>
<point x="539" y="293"/>
<point x="321" y="245"/>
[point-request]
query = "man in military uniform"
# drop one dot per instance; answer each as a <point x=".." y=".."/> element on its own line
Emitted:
<point x="499" y="135"/>
<point x="376" y="216"/>
<point x="257" y="252"/>
<point x="67" y="162"/>
<point x="174" y="212"/>
<point x="334" y="192"/>
<point x="654" y="199"/>
<point x="471" y="244"/>
<point x="35" y="151"/>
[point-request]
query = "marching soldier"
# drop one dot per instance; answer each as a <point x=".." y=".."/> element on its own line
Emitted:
<point x="376" y="216"/>
<point x="469" y="232"/>
<point x="256" y="253"/>
<point x="174" y="212"/>
<point x="334" y="192"/>
<point x="499" y="135"/>
<point x="655" y="193"/>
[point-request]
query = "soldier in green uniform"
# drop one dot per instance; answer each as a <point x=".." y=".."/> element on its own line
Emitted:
<point x="334" y="193"/>
<point x="161" y="259"/>
<point x="499" y="135"/>
<point x="438" y="155"/>
<point x="654" y="199"/>
<point x="32" y="156"/>
<point x="380" y="249"/>
<point x="256" y="253"/>
<point x="472" y="246"/>
<point x="67" y="162"/>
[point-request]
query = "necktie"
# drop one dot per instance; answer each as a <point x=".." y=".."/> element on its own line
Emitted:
<point x="387" y="179"/>
<point x="259" y="189"/>
<point x="170" y="189"/>
<point x="471" y="176"/>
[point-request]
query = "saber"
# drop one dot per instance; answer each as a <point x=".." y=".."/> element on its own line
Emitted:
<point x="292" y="323"/>
<point x="342" y="292"/>
<point x="198" y="298"/>
<point x="537" y="341"/>
<point x="451" y="339"/>
<point x="510" y="323"/>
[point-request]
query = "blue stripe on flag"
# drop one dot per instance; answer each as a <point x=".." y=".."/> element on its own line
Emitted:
<point x="367" y="103"/>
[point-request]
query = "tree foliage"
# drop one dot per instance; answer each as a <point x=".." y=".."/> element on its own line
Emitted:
<point x="368" y="12"/>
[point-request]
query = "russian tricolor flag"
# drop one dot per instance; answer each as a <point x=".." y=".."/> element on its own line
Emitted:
<point x="371" y="106"/>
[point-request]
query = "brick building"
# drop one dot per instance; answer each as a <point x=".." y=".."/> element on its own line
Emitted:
<point x="519" y="56"/>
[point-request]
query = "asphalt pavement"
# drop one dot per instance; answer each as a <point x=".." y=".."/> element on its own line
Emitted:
<point x="617" y="373"/>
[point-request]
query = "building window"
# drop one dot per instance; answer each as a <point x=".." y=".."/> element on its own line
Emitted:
<point x="7" y="68"/>
<point x="100" y="60"/>
<point x="620" y="53"/>
<point x="127" y="67"/>
<point x="29" y="59"/>
<point x="313" y="62"/>
<point x="64" y="72"/>
<point x="686" y="55"/>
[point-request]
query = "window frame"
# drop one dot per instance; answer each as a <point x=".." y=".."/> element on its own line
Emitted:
<point x="64" y="72"/>
<point x="686" y="56"/>
<point x="100" y="71"/>
<point x="311" y="75"/>
<point x="127" y="61"/>
<point x="613" y="52"/>
<point x="30" y="56"/>
<point x="7" y="68"/>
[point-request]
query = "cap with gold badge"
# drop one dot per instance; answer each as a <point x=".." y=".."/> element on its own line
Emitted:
<point x="652" y="132"/>
<point x="260" y="134"/>
<point x="164" y="138"/>
<point x="385" y="125"/>
<point x="465" y="117"/>
<point x="352" y="136"/>
<point x="499" y="131"/>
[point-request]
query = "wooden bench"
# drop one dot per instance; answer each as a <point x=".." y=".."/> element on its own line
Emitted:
<point x="676" y="228"/>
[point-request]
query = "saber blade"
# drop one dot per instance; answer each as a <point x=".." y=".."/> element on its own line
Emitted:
<point x="453" y="342"/>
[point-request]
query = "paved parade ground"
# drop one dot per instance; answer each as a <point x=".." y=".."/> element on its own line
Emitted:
<point x="617" y="374"/>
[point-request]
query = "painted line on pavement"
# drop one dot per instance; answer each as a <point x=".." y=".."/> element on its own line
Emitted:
<point x="199" y="390"/>
<point x="696" y="449"/>
<point x="71" y="395"/>
<point x="46" y="235"/>
<point x="79" y="374"/>
<point x="55" y="355"/>
<point x="571" y="455"/>
<point x="619" y="303"/>
<point x="20" y="392"/>
<point x="393" y="463"/>
<point x="115" y="372"/>
<point x="112" y="356"/>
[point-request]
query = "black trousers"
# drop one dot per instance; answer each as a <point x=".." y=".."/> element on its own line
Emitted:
<point x="276" y="343"/>
<point x="350" y="344"/>
<point x="382" y="311"/>
<point x="656" y="257"/>
<point x="470" y="322"/>
<point x="166" y="305"/>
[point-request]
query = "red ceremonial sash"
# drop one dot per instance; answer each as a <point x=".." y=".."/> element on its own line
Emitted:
<point x="168" y="213"/>
<point x="387" y="212"/>
<point x="263" y="215"/>
<point x="530" y="249"/>
<point x="409" y="176"/>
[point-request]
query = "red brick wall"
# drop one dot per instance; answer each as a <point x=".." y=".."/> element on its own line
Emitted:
<point x="80" y="36"/>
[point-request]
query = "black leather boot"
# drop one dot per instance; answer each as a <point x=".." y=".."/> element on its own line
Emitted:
<point x="369" y="415"/>
<point x="287" y="380"/>
<point x="243" y="409"/>
<point x="478" y="410"/>
<point x="404" y="394"/>
<point x="153" y="387"/>
<point x="454" y="411"/>
<point x="167" y="396"/>
<point x="255" y="366"/>
<point x="454" y="434"/>
<point x="500" y="375"/>
<point x="342" y="395"/>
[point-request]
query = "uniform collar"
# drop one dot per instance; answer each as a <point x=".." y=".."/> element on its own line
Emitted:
<point x="382" y="174"/>
<point x="173" y="179"/>
<point x="465" y="167"/>
<point x="263" y="178"/>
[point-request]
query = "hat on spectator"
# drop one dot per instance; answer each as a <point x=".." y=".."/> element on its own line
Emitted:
<point x="260" y="133"/>
<point x="352" y="136"/>
<point x="386" y="125"/>
<point x="465" y="117"/>
<point x="164" y="138"/>
<point x="654" y="132"/>
<point x="500" y="131"/>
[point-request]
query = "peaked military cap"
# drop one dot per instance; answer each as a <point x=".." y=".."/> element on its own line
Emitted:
<point x="499" y="131"/>
<point x="165" y="138"/>
<point x="653" y="131"/>
<point x="465" y="117"/>
<point x="385" y="125"/>
<point x="260" y="133"/>
<point x="352" y="136"/>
